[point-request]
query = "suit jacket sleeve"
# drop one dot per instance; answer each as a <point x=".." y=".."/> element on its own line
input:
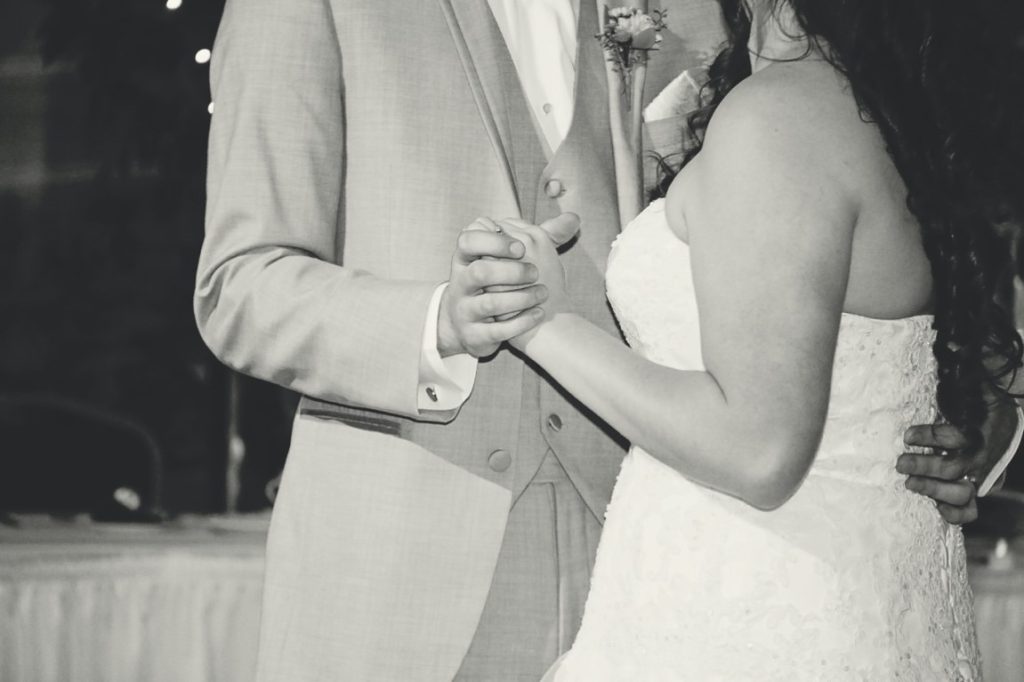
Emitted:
<point x="271" y="299"/>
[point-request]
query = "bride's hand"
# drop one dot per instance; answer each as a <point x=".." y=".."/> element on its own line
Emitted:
<point x="541" y="242"/>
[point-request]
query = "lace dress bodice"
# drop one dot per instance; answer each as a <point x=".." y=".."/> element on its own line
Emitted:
<point x="854" y="578"/>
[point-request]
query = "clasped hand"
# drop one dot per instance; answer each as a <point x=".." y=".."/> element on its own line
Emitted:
<point x="505" y="278"/>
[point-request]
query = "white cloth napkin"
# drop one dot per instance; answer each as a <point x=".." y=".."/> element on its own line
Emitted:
<point x="679" y="97"/>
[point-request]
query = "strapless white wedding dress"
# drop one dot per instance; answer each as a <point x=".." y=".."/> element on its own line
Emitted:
<point x="854" y="578"/>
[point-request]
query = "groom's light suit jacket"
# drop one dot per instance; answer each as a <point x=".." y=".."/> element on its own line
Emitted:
<point x="351" y="141"/>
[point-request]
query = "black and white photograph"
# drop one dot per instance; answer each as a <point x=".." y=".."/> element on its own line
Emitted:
<point x="511" y="341"/>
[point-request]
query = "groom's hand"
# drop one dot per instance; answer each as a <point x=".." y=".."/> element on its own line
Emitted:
<point x="949" y="473"/>
<point x="491" y="295"/>
<point x="943" y="473"/>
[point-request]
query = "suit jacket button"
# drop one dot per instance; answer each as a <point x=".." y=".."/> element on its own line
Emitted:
<point x="554" y="188"/>
<point x="554" y="422"/>
<point x="500" y="460"/>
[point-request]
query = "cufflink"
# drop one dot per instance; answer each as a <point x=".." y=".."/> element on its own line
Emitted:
<point x="432" y="394"/>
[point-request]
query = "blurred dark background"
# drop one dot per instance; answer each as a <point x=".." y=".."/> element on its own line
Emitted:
<point x="109" y="401"/>
<point x="106" y="389"/>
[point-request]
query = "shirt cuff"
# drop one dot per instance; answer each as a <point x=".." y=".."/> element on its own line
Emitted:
<point x="1000" y="467"/>
<point x="445" y="383"/>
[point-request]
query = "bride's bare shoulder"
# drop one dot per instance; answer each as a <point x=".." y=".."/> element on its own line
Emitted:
<point x="803" y="107"/>
<point x="787" y="127"/>
<point x="782" y="141"/>
<point x="764" y="128"/>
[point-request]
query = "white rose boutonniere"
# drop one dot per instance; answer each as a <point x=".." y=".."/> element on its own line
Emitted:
<point x="629" y="34"/>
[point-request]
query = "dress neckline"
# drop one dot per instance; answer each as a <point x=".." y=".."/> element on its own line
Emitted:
<point x="909" y="320"/>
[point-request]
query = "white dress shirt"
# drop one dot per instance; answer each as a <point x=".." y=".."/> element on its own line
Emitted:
<point x="541" y="38"/>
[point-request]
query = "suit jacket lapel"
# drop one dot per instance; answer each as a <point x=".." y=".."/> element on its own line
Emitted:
<point x="591" y="58"/>
<point x="495" y="84"/>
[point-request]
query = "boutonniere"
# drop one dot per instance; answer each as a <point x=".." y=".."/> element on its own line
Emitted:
<point x="628" y="35"/>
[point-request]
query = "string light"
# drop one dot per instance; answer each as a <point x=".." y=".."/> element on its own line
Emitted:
<point x="203" y="56"/>
<point x="173" y="4"/>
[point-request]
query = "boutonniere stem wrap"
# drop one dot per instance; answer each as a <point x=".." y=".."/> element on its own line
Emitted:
<point x="628" y="35"/>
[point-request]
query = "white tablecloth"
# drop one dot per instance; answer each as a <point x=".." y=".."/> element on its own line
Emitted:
<point x="88" y="603"/>
<point x="999" y="611"/>
<point x="108" y="603"/>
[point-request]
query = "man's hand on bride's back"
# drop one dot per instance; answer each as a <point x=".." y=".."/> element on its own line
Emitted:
<point x="492" y="293"/>
<point x="948" y="473"/>
<point x="942" y="472"/>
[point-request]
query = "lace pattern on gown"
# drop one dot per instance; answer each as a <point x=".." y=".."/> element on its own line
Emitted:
<point x="854" y="578"/>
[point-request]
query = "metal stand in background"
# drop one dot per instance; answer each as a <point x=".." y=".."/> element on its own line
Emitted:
<point x="235" y="446"/>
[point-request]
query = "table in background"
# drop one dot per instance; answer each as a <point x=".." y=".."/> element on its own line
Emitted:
<point x="89" y="602"/>
<point x="180" y="602"/>
<point x="999" y="612"/>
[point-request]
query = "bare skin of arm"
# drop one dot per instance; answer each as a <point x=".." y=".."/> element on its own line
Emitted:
<point x="771" y="258"/>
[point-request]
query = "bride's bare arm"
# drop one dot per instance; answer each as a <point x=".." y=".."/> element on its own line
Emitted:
<point x="770" y="232"/>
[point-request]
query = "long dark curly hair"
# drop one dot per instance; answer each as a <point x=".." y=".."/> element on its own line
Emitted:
<point x="944" y="82"/>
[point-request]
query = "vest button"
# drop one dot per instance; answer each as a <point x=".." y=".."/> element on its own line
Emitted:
<point x="554" y="188"/>
<point x="554" y="422"/>
<point x="499" y="460"/>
